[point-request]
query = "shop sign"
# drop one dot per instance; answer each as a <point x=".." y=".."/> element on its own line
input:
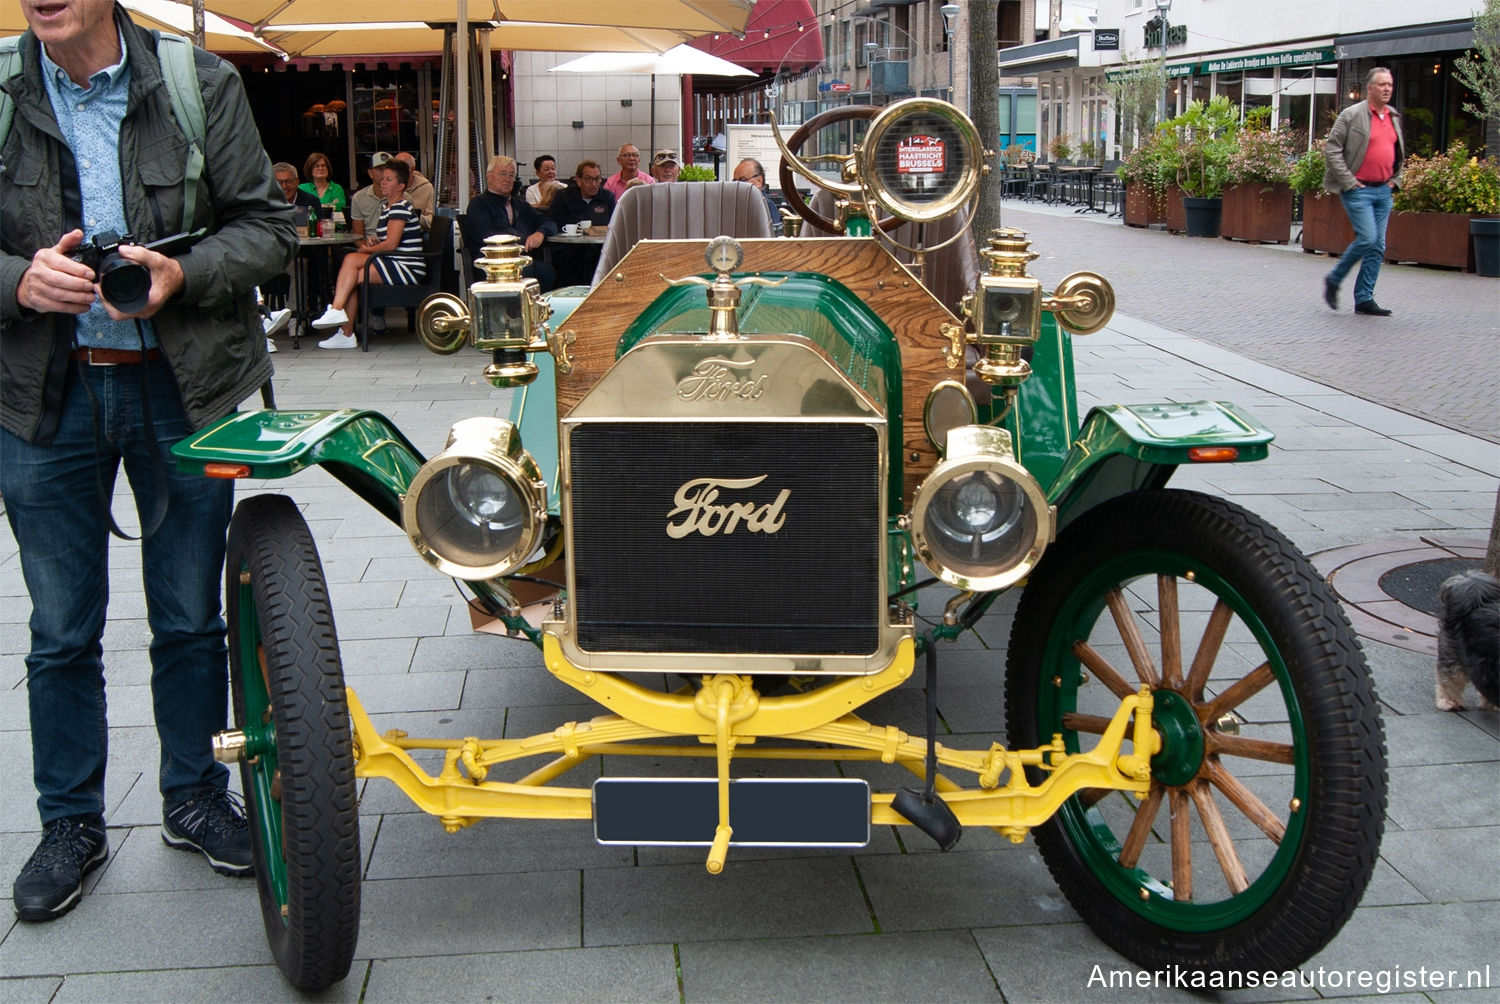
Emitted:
<point x="1292" y="57"/>
<point x="839" y="86"/>
<point x="1106" y="39"/>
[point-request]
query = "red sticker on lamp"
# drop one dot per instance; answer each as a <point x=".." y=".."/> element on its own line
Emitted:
<point x="921" y="155"/>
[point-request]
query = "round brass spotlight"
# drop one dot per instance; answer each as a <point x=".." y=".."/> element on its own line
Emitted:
<point x="1090" y="302"/>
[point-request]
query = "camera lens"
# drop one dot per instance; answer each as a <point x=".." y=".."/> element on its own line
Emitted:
<point x="125" y="284"/>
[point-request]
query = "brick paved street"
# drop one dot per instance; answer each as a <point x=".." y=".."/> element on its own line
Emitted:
<point x="1437" y="356"/>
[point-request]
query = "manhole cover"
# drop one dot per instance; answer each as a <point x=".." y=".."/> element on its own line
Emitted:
<point x="1416" y="584"/>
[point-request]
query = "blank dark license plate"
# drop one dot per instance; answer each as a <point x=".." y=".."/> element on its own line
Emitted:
<point x="764" y="812"/>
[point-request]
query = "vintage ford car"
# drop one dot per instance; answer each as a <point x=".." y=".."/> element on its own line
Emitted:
<point x="734" y="465"/>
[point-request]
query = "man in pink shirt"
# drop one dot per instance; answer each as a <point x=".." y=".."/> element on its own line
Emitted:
<point x="1363" y="154"/>
<point x="629" y="175"/>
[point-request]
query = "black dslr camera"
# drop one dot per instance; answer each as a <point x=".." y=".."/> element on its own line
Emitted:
<point x="124" y="283"/>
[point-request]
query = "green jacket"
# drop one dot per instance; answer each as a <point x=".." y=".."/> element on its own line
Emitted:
<point x="1345" y="149"/>
<point x="211" y="334"/>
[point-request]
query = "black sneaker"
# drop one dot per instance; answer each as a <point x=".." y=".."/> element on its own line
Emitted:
<point x="1372" y="308"/>
<point x="51" y="883"/>
<point x="212" y="823"/>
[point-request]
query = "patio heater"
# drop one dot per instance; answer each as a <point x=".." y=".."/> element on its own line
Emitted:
<point x="950" y="14"/>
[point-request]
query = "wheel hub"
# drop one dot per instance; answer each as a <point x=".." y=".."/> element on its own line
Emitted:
<point x="1182" y="744"/>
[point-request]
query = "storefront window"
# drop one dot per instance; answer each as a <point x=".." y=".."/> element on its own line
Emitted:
<point x="1231" y="85"/>
<point x="1258" y="90"/>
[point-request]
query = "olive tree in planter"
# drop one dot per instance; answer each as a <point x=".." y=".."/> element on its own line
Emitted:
<point x="1479" y="71"/>
<point x="1258" y="198"/>
<point x="1438" y="197"/>
<point x="1206" y="133"/>
<point x="1147" y="171"/>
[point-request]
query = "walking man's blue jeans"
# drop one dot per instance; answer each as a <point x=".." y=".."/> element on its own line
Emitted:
<point x="1368" y="209"/>
<point x="53" y="505"/>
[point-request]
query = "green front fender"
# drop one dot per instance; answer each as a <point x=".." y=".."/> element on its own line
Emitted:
<point x="1136" y="447"/>
<point x="363" y="449"/>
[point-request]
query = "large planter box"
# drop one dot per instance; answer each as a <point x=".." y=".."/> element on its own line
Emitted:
<point x="1176" y="218"/>
<point x="1257" y="212"/>
<point x="1143" y="206"/>
<point x="1324" y="225"/>
<point x="1430" y="239"/>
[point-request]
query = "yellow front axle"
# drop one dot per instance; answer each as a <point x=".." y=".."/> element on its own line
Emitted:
<point x="725" y="716"/>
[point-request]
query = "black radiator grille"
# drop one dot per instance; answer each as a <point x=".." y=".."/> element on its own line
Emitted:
<point x="813" y="586"/>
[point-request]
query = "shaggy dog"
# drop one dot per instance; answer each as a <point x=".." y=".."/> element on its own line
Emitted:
<point x="1468" y="639"/>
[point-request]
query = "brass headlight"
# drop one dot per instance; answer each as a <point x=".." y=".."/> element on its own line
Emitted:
<point x="981" y="521"/>
<point x="477" y="509"/>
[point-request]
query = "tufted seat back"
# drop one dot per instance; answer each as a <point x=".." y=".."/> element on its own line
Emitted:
<point x="681" y="210"/>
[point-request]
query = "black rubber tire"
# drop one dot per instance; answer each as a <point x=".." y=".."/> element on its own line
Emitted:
<point x="279" y="617"/>
<point x="1310" y="878"/>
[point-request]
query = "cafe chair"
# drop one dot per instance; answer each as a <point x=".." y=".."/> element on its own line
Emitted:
<point x="680" y="211"/>
<point x="437" y="251"/>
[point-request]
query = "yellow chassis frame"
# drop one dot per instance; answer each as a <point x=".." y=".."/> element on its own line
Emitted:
<point x="728" y="714"/>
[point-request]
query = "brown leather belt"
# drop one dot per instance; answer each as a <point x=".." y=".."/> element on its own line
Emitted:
<point x="115" y="357"/>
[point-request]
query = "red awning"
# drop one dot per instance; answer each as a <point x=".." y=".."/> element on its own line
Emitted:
<point x="779" y="33"/>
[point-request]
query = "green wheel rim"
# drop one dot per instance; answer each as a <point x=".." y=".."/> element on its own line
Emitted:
<point x="260" y="771"/>
<point x="1087" y="828"/>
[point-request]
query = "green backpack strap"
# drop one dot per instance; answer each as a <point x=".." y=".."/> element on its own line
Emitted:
<point x="175" y="54"/>
<point x="10" y="66"/>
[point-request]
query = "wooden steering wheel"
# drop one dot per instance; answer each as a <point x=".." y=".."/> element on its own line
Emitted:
<point x="806" y="130"/>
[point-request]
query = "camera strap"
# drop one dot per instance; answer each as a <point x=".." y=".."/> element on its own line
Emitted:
<point x="160" y="487"/>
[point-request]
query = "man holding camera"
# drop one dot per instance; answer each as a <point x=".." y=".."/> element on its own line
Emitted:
<point x="95" y="146"/>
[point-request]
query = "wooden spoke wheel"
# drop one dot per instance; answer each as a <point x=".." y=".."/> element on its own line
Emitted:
<point x="1268" y="797"/>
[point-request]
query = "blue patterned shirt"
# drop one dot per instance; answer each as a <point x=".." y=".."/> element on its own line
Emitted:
<point x="89" y="119"/>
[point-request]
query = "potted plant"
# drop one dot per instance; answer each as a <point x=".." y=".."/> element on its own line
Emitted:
<point x="1146" y="172"/>
<point x="1325" y="227"/>
<point x="1060" y="148"/>
<point x="1258" y="198"/>
<point x="1206" y="133"/>
<point x="1479" y="71"/>
<point x="1438" y="197"/>
<point x="1088" y="151"/>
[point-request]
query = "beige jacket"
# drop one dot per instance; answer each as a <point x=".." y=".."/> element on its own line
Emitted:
<point x="1344" y="150"/>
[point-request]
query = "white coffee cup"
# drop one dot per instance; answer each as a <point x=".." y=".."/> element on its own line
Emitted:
<point x="570" y="229"/>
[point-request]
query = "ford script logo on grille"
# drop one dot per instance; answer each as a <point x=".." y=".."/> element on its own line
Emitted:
<point x="701" y="512"/>
<point x="715" y="379"/>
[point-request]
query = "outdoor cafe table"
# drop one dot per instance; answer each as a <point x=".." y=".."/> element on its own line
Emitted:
<point x="590" y="244"/>
<point x="1086" y="175"/>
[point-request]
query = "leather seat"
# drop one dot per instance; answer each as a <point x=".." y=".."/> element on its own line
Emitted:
<point x="948" y="273"/>
<point x="682" y="210"/>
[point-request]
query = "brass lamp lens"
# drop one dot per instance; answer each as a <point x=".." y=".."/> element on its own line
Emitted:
<point x="979" y="522"/>
<point x="470" y="514"/>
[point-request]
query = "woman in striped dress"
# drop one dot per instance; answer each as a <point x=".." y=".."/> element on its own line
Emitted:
<point x="396" y="249"/>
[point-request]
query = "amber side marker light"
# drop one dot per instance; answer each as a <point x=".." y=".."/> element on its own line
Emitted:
<point x="1213" y="454"/>
<point x="226" y="470"/>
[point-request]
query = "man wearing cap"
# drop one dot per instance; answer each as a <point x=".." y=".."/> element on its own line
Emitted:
<point x="364" y="205"/>
<point x="629" y="175"/>
<point x="664" y="166"/>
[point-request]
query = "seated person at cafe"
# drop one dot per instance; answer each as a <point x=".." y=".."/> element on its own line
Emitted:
<point x="396" y="251"/>
<point x="664" y="166"/>
<point x="421" y="194"/>
<point x="752" y="173"/>
<point x="629" y="175"/>
<point x="499" y="210"/>
<point x="547" y="185"/>
<point x="286" y="177"/>
<point x="365" y="204"/>
<point x="364" y="216"/>
<point x="588" y="202"/>
<point x="320" y="183"/>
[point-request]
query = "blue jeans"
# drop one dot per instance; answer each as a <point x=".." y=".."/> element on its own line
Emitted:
<point x="54" y="511"/>
<point x="1368" y="209"/>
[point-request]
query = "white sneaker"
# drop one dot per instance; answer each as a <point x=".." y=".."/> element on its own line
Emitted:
<point x="270" y="345"/>
<point x="276" y="321"/>
<point x="339" y="341"/>
<point x="331" y="318"/>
